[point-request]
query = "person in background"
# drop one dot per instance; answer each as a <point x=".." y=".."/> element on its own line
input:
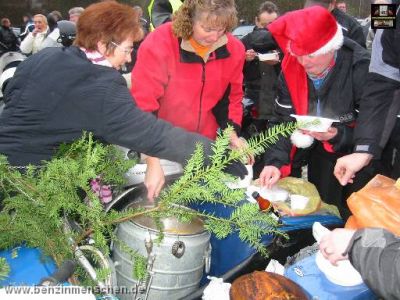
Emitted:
<point x="260" y="78"/>
<point x="351" y="28"/>
<point x="59" y="93"/>
<point x="54" y="33"/>
<point x="322" y="75"/>
<point x="160" y="11"/>
<point x="189" y="73"/>
<point x="8" y="40"/>
<point x="33" y="42"/>
<point x="143" y="21"/>
<point x="374" y="253"/>
<point x="127" y="69"/>
<point x="341" y="5"/>
<point x="27" y="26"/>
<point x="378" y="122"/>
<point x="74" y="13"/>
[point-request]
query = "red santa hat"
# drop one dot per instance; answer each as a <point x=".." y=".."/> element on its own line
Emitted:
<point x="309" y="31"/>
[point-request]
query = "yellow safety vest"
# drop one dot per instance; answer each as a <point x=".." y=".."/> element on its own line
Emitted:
<point x="175" y="4"/>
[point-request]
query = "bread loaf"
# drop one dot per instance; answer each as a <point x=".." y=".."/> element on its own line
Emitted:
<point x="261" y="285"/>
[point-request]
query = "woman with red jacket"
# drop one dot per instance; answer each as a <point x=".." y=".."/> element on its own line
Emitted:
<point x="189" y="72"/>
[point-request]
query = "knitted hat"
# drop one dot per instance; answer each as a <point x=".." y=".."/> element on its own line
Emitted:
<point x="309" y="31"/>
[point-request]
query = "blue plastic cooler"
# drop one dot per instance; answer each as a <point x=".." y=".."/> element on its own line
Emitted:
<point x="307" y="274"/>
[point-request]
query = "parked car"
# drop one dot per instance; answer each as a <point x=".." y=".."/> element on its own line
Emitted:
<point x="242" y="30"/>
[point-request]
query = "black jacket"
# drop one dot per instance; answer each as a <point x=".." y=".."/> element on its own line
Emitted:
<point x="339" y="97"/>
<point x="260" y="79"/>
<point x="351" y="28"/>
<point x="8" y="40"/>
<point x="380" y="108"/>
<point x="375" y="253"/>
<point x="58" y="93"/>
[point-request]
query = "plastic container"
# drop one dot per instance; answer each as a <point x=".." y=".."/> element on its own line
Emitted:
<point x="307" y="274"/>
<point x="27" y="266"/>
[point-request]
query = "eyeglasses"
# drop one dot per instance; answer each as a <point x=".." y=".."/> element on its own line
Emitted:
<point x="127" y="51"/>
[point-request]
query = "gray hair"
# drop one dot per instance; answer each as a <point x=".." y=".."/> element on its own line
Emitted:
<point x="76" y="11"/>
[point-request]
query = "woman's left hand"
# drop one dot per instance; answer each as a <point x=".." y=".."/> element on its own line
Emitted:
<point x="322" y="136"/>
<point x="240" y="143"/>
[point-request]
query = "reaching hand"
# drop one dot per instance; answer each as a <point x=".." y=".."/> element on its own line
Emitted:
<point x="154" y="179"/>
<point x="334" y="244"/>
<point x="347" y="166"/>
<point x="240" y="143"/>
<point x="269" y="176"/>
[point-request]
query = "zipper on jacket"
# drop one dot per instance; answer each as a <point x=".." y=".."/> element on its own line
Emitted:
<point x="203" y="81"/>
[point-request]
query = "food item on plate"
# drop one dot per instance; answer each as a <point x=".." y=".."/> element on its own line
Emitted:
<point x="314" y="123"/>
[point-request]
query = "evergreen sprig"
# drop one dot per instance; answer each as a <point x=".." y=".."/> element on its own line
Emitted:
<point x="38" y="202"/>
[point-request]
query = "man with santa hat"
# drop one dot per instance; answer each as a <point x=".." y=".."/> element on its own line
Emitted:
<point x="322" y="75"/>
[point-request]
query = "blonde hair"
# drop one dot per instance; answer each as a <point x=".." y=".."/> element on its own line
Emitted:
<point x="43" y="17"/>
<point x="218" y="13"/>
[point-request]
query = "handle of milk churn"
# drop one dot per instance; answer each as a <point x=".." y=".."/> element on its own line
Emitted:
<point x="207" y="259"/>
<point x="178" y="249"/>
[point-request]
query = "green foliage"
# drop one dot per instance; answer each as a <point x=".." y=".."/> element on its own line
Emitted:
<point x="38" y="202"/>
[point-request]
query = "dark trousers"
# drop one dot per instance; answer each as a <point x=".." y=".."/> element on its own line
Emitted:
<point x="320" y="172"/>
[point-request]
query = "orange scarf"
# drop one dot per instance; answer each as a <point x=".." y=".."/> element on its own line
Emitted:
<point x="198" y="48"/>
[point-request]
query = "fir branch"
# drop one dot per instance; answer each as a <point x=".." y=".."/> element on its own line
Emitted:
<point x="55" y="190"/>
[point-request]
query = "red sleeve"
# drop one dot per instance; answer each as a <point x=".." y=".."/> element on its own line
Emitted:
<point x="150" y="74"/>
<point x="236" y="95"/>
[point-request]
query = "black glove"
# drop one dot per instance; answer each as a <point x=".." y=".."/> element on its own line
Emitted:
<point x="236" y="168"/>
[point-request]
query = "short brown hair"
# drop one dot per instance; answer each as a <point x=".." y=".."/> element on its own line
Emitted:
<point x="5" y="22"/>
<point x="108" y="22"/>
<point x="219" y="13"/>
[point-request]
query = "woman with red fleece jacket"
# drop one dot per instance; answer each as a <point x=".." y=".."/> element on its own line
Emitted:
<point x="189" y="72"/>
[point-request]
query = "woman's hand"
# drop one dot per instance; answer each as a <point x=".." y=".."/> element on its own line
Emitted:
<point x="334" y="244"/>
<point x="154" y="179"/>
<point x="240" y="143"/>
<point x="347" y="166"/>
<point x="269" y="176"/>
<point x="322" y="136"/>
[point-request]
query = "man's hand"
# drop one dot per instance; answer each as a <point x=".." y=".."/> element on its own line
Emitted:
<point x="334" y="244"/>
<point x="269" y="176"/>
<point x="154" y="179"/>
<point x="347" y="166"/>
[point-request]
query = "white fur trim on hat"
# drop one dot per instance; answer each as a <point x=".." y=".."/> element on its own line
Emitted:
<point x="334" y="44"/>
<point x="301" y="140"/>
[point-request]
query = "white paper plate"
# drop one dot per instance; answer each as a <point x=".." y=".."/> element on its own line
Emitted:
<point x="343" y="274"/>
<point x="322" y="124"/>
<point x="268" y="56"/>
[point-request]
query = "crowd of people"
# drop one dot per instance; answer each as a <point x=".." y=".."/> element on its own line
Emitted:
<point x="188" y="80"/>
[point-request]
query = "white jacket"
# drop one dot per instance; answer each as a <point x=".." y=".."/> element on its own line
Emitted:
<point x="32" y="44"/>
